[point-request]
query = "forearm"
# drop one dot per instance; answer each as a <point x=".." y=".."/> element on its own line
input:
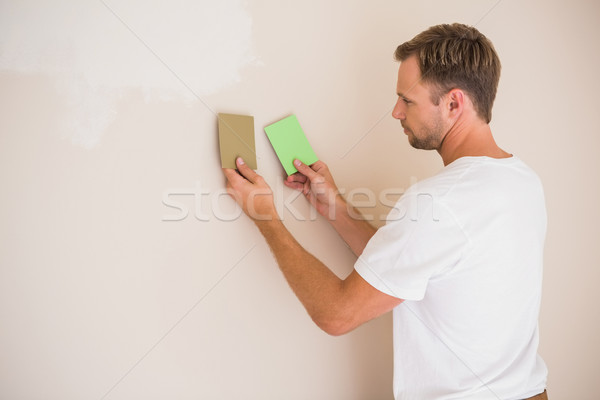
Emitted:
<point x="356" y="232"/>
<point x="315" y="285"/>
<point x="337" y="306"/>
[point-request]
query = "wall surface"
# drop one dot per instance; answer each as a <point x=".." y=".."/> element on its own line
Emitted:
<point x="126" y="273"/>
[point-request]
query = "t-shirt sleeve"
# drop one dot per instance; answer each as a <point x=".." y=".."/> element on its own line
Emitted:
<point x="421" y="240"/>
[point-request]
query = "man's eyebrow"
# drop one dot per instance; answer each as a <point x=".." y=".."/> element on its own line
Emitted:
<point x="400" y="94"/>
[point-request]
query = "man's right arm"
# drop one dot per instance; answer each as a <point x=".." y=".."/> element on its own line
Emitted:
<point x="318" y="186"/>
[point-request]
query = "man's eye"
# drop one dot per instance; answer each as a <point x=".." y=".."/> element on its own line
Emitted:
<point x="406" y="101"/>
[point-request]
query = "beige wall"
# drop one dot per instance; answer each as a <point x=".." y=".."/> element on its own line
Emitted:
<point x="101" y="298"/>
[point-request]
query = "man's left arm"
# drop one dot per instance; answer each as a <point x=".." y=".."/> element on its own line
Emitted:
<point x="337" y="306"/>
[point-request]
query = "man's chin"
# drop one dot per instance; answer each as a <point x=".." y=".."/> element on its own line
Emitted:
<point x="414" y="142"/>
<point x="420" y="144"/>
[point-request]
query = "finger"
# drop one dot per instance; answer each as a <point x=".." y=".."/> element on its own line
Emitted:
<point x="229" y="185"/>
<point x="231" y="175"/>
<point x="318" y="165"/>
<point x="294" y="185"/>
<point x="306" y="187"/>
<point x="305" y="170"/>
<point x="297" y="177"/>
<point x="230" y="190"/>
<point x="245" y="170"/>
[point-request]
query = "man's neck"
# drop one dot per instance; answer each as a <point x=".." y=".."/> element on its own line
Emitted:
<point x="469" y="138"/>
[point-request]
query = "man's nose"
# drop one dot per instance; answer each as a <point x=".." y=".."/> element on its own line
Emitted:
<point x="398" y="111"/>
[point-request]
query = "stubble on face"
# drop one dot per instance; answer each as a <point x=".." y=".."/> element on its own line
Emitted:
<point x="429" y="136"/>
<point x="423" y="121"/>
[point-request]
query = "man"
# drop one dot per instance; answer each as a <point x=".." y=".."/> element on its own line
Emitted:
<point x="460" y="259"/>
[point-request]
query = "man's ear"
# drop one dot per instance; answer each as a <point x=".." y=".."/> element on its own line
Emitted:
<point x="455" y="100"/>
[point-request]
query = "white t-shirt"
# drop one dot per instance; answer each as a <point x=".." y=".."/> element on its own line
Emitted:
<point x="464" y="249"/>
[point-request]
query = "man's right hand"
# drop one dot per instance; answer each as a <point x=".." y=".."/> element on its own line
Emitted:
<point x="317" y="185"/>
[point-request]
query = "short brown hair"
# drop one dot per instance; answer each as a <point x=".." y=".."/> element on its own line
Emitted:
<point x="456" y="56"/>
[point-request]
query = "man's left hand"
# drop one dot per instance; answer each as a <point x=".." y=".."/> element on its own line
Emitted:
<point x="250" y="191"/>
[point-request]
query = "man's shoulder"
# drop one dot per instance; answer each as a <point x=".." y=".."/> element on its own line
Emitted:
<point x="475" y="173"/>
<point x="443" y="181"/>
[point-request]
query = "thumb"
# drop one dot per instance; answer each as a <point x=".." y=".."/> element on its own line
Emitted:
<point x="245" y="170"/>
<point x="305" y="170"/>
